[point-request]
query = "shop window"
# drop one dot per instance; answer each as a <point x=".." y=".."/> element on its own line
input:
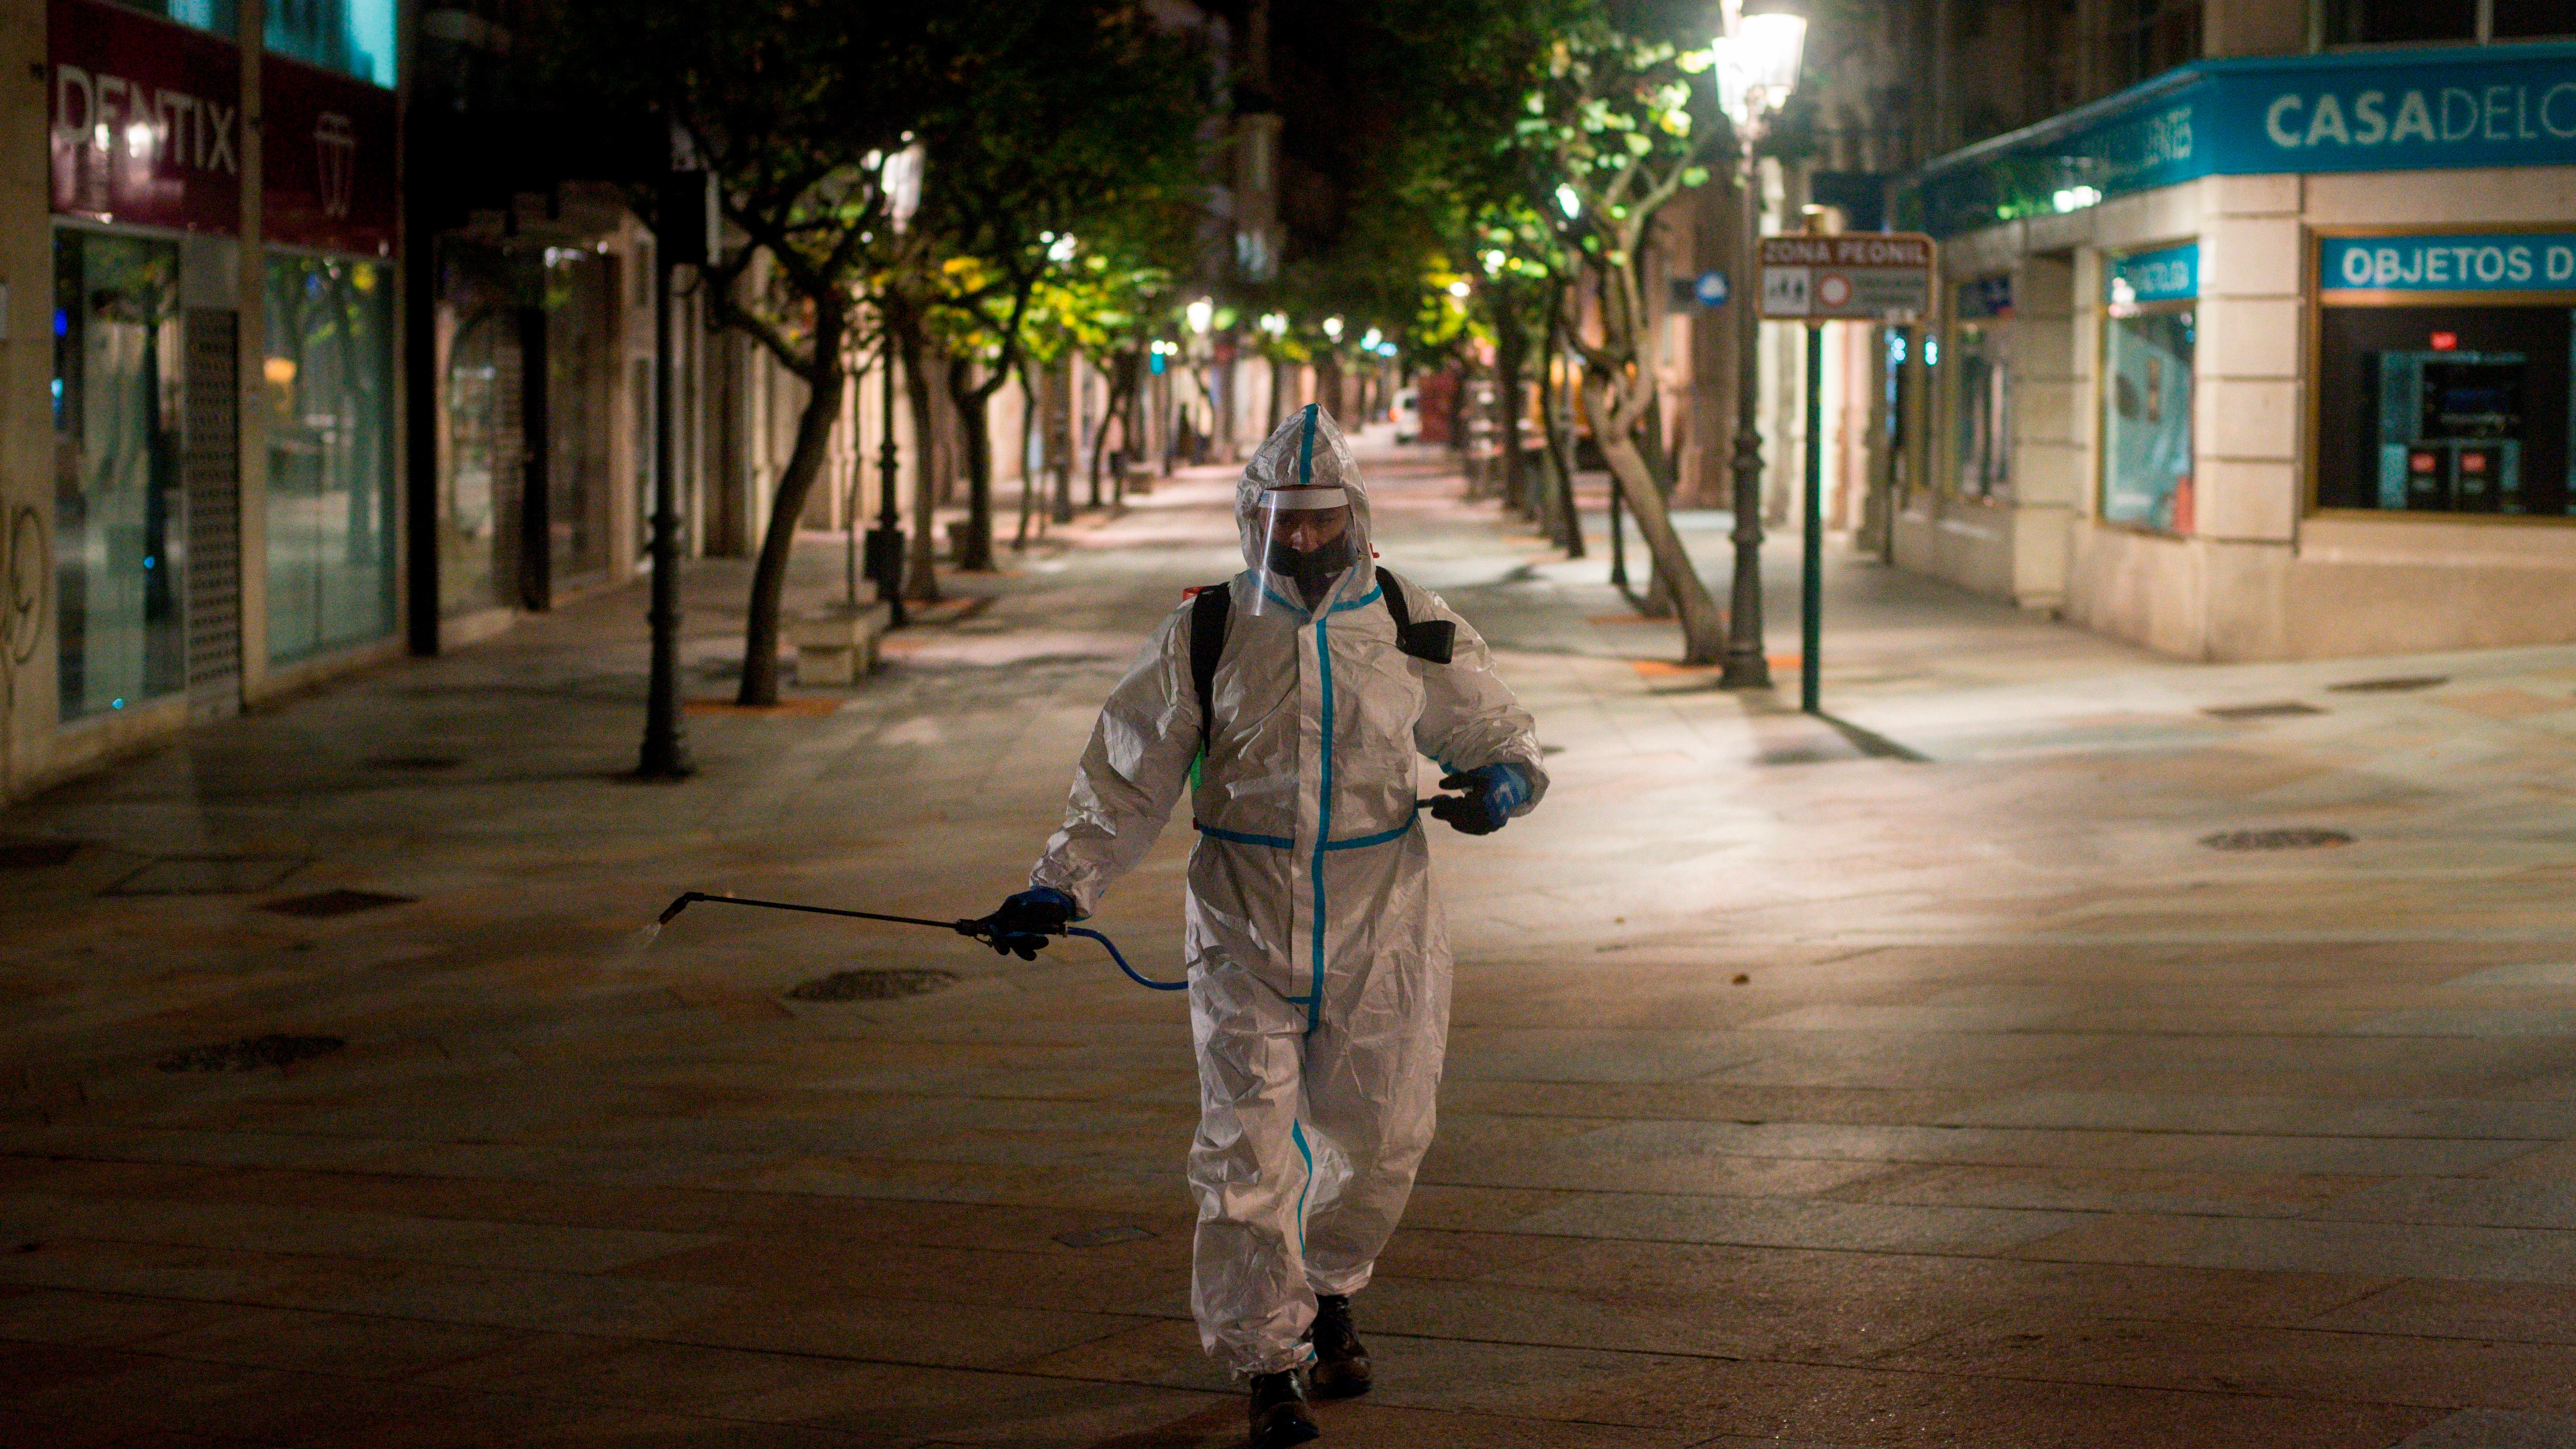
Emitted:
<point x="117" y="501"/>
<point x="1980" y="379"/>
<point x="2445" y="410"/>
<point x="2451" y="22"/>
<point x="639" y="413"/>
<point x="1896" y="346"/>
<point x="582" y="403"/>
<point x="2142" y="38"/>
<point x="223" y="17"/>
<point x="353" y="37"/>
<point x="2531" y="19"/>
<point x="482" y="414"/>
<point x="329" y="375"/>
<point x="2146" y="423"/>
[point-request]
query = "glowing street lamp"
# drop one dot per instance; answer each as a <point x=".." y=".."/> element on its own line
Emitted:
<point x="1200" y="314"/>
<point x="1757" y="63"/>
<point x="900" y="176"/>
<point x="902" y="181"/>
<point x="1757" y="57"/>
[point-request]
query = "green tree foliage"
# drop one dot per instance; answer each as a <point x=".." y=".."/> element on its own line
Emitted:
<point x="1610" y="121"/>
<point x="1080" y="122"/>
<point x="784" y="103"/>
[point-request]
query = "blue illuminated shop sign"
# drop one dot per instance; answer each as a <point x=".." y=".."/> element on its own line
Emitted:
<point x="2509" y="262"/>
<point x="2421" y="108"/>
<point x="2168" y="274"/>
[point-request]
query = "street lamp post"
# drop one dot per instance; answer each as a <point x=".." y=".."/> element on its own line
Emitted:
<point x="900" y="176"/>
<point x="683" y="235"/>
<point x="1757" y="67"/>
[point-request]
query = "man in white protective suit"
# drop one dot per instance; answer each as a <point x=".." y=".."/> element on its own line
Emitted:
<point x="1318" y="964"/>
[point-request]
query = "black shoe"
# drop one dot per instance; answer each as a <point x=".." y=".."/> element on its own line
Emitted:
<point x="1279" y="1412"/>
<point x="1341" y="1360"/>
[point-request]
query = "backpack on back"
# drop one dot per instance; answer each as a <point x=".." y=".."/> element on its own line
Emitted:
<point x="1433" y="639"/>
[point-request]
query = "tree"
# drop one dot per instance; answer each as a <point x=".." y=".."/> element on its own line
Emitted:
<point x="1462" y="168"/>
<point x="784" y="103"/>
<point x="1609" y="121"/>
<point x="1080" y="122"/>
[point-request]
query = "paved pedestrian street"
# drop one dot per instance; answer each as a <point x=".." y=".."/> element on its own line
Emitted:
<point x="2059" y="1046"/>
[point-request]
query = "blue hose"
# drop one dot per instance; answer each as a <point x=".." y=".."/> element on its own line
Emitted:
<point x="1114" y="955"/>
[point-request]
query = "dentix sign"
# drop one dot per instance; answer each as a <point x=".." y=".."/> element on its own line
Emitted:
<point x="145" y="121"/>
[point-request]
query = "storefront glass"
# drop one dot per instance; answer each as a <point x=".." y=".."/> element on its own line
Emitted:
<point x="1981" y="379"/>
<point x="582" y="377"/>
<point x="2147" y="349"/>
<point x="353" y="37"/>
<point x="117" y="498"/>
<point x="2445" y="410"/>
<point x="223" y="17"/>
<point x="2444" y="373"/>
<point x="482" y="454"/>
<point x="330" y="453"/>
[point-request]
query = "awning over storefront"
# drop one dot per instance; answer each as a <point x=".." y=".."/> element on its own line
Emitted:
<point x="2386" y="110"/>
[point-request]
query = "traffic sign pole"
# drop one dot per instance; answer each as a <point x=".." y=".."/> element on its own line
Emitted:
<point x="1811" y="610"/>
<point x="1814" y="277"/>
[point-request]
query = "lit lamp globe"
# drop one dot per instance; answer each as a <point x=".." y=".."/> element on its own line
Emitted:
<point x="902" y="181"/>
<point x="1757" y="64"/>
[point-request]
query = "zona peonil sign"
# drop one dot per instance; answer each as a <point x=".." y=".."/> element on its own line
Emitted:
<point x="1854" y="277"/>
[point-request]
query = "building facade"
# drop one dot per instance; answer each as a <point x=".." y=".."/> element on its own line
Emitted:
<point x="201" y="418"/>
<point x="2267" y="356"/>
<point x="323" y="347"/>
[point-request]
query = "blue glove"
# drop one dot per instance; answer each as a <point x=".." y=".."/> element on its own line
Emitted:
<point x="1025" y="921"/>
<point x="1492" y="793"/>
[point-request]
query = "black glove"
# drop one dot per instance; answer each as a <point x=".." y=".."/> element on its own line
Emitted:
<point x="1025" y="921"/>
<point x="1492" y="791"/>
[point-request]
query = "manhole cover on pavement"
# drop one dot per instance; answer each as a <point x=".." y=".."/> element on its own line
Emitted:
<point x="2274" y="839"/>
<point x="35" y="854"/>
<point x="2397" y="685"/>
<point x="877" y="985"/>
<point x="250" y="1053"/>
<point x="2260" y="711"/>
<point x="335" y="903"/>
<point x="207" y="875"/>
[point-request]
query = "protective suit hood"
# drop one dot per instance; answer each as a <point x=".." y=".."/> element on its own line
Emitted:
<point x="1307" y="451"/>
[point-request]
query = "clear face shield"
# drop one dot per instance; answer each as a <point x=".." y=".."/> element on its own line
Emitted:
<point x="1304" y="536"/>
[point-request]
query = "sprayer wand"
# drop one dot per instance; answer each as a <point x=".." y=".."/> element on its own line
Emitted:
<point x="981" y="929"/>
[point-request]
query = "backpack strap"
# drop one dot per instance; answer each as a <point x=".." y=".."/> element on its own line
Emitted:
<point x="1432" y="639"/>
<point x="1210" y="609"/>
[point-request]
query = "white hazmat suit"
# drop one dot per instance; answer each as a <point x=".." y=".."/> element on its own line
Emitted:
<point x="1318" y="963"/>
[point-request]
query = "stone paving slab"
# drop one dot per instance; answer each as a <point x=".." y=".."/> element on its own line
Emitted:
<point x="1797" y="1097"/>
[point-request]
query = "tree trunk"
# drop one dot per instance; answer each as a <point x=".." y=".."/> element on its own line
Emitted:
<point x="1560" y="432"/>
<point x="795" y="485"/>
<point x="1028" y="470"/>
<point x="1131" y="371"/>
<point x="1511" y="352"/>
<point x="1060" y="437"/>
<point x="1703" y="630"/>
<point x="1658" y="602"/>
<point x="1100" y="431"/>
<point x="975" y="431"/>
<point x="922" y="568"/>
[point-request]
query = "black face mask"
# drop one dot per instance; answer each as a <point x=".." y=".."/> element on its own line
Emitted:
<point x="1311" y="569"/>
